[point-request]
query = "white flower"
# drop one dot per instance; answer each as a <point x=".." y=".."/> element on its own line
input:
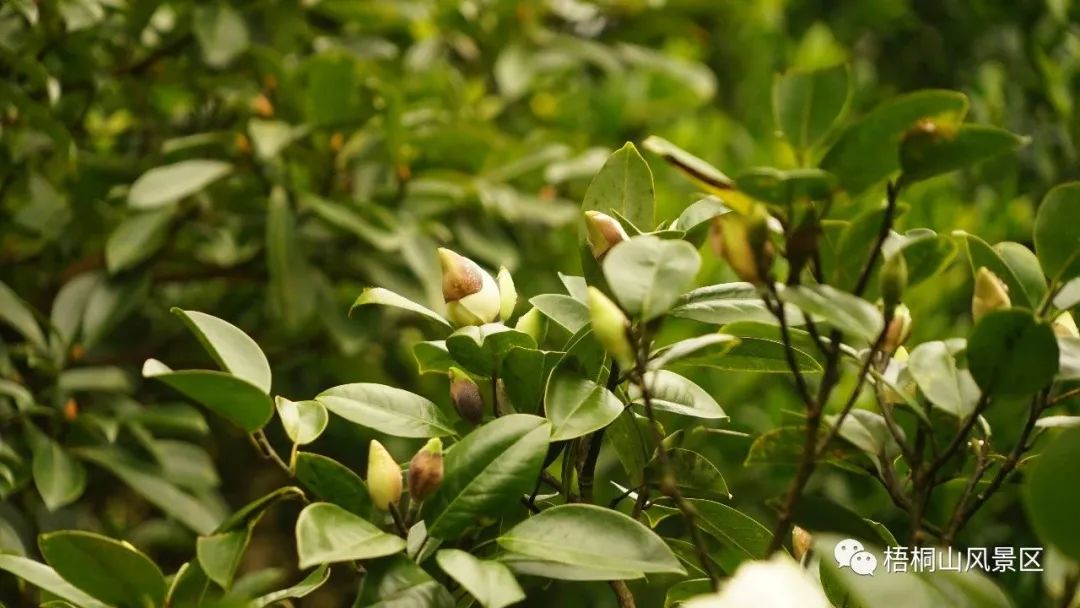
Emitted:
<point x="776" y="583"/>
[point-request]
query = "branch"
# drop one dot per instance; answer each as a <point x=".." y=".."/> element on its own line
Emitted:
<point x="892" y="193"/>
<point x="261" y="443"/>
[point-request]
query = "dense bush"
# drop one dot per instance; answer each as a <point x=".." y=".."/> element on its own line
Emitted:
<point x="675" y="372"/>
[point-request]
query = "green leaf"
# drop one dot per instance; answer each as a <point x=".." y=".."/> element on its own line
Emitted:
<point x="1052" y="501"/>
<point x="387" y="409"/>
<point x="219" y="554"/>
<point x="1010" y="352"/>
<point x="715" y="345"/>
<point x="726" y="303"/>
<point x="1057" y="241"/>
<point x="807" y="103"/>
<point x="163" y="185"/>
<point x="230" y="347"/>
<point x="867" y="431"/>
<point x="137" y="238"/>
<point x="333" y="482"/>
<point x="397" y="582"/>
<point x="694" y="167"/>
<point x="1025" y="265"/>
<point x="897" y="589"/>
<point x="291" y="288"/>
<point x="587" y="535"/>
<point x="752" y="354"/>
<point x="569" y="312"/>
<point x="631" y="438"/>
<point x="867" y="151"/>
<point x="543" y="568"/>
<point x="18" y="314"/>
<point x="925" y="256"/>
<point x="624" y="185"/>
<point x="933" y="366"/>
<point x="303" y="421"/>
<point x="671" y="392"/>
<point x="310" y="583"/>
<point x="432" y="357"/>
<point x="326" y="533"/>
<point x="981" y="254"/>
<point x="235" y="399"/>
<point x="733" y="528"/>
<point x="109" y="570"/>
<point x="694" y="474"/>
<point x="45" y="578"/>
<point x="787" y="187"/>
<point x="221" y="32"/>
<point x="848" y="313"/>
<point x="577" y="406"/>
<point x="647" y="274"/>
<point x="931" y="149"/>
<point x="60" y="479"/>
<point x="481" y="350"/>
<point x="486" y="471"/>
<point x="148" y="482"/>
<point x="491" y="583"/>
<point x="385" y="297"/>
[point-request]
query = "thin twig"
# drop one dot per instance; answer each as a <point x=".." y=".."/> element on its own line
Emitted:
<point x="892" y="194"/>
<point x="258" y="438"/>
<point x="622" y="594"/>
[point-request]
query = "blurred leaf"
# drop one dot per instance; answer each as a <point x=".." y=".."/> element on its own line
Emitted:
<point x="44" y="577"/>
<point x="167" y="184"/>
<point x="787" y="187"/>
<point x="981" y="254"/>
<point x="491" y="583"/>
<point x="310" y="583"/>
<point x="806" y="104"/>
<point x="933" y="366"/>
<point x="385" y="297"/>
<point x="694" y="474"/>
<point x="137" y="238"/>
<point x="1056" y="240"/>
<point x="931" y="149"/>
<point x="290" y="280"/>
<point x="18" y="314"/>
<point x="726" y="303"/>
<point x="733" y="528"/>
<point x="567" y="311"/>
<point x="1051" y="502"/>
<point x="221" y="32"/>
<point x="326" y="533"/>
<point x="60" y="479"/>
<point x="481" y="350"/>
<point x="716" y="345"/>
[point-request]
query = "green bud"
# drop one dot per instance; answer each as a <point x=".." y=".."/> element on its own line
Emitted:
<point x="610" y="326"/>
<point x="532" y="323"/>
<point x="507" y="293"/>
<point x="465" y="395"/>
<point x="991" y="294"/>
<point x="894" y="277"/>
<point x="426" y="470"/>
<point x="604" y="232"/>
<point x="471" y="295"/>
<point x="383" y="477"/>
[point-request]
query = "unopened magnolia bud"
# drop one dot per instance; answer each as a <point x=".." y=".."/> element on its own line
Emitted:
<point x="604" y="232"/>
<point x="465" y="395"/>
<point x="801" y="541"/>
<point x="743" y="241"/>
<point x="426" y="470"/>
<point x="531" y="323"/>
<point x="471" y="295"/>
<point x="383" y="477"/>
<point x="507" y="293"/>
<point x="898" y="331"/>
<point x="610" y="327"/>
<point x="1064" y="326"/>
<point x="991" y="294"/>
<point x="894" y="277"/>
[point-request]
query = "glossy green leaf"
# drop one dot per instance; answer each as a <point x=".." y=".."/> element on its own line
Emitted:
<point x="631" y="439"/>
<point x="806" y="103"/>
<point x="230" y="347"/>
<point x="624" y="185"/>
<point x="60" y="479"/>
<point x="387" y="409"/>
<point x="45" y="578"/>
<point x="109" y="570"/>
<point x="867" y="151"/>
<point x="397" y="582"/>
<point x="1056" y="240"/>
<point x="899" y="589"/>
<point x="305" y="587"/>
<point x="233" y="398"/>
<point x="577" y="406"/>
<point x="491" y="583"/>
<point x="671" y="392"/>
<point x="694" y="474"/>
<point x="385" y="297"/>
<point x="752" y="354"/>
<point x="1052" y="502"/>
<point x="481" y="350"/>
<point x="219" y="554"/>
<point x="333" y="482"/>
<point x="716" y="345"/>
<point x="783" y="188"/>
<point x="850" y="314"/>
<point x="648" y="275"/>
<point x="569" y="312"/>
<point x="733" y="528"/>
<point x="1010" y="352"/>
<point x="545" y="568"/>
<point x="726" y="303"/>
<point x="303" y="421"/>
<point x="931" y="149"/>
<point x="487" y="470"/>
<point x="1025" y="265"/>
<point x="432" y="357"/>
<point x="137" y="238"/>
<point x="947" y="386"/>
<point x="694" y="167"/>
<point x="326" y="533"/>
<point x="981" y="254"/>
<point x="163" y="185"/>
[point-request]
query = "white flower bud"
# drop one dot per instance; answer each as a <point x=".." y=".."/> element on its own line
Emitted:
<point x="471" y="295"/>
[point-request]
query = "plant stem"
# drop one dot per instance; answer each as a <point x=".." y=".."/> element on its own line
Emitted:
<point x="399" y="522"/>
<point x="259" y="439"/>
<point x="892" y="194"/>
<point x="622" y="594"/>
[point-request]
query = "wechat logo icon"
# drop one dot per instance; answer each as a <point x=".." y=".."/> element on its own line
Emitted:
<point x="850" y="553"/>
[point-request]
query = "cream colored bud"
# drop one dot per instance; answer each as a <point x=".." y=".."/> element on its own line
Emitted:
<point x="466" y="397"/>
<point x="471" y="295"/>
<point x="507" y="294"/>
<point x="898" y="331"/>
<point x="604" y="232"/>
<point x="1064" y="326"/>
<point x="610" y="326"/>
<point x="743" y="242"/>
<point x="991" y="294"/>
<point x="383" y="477"/>
<point x="426" y="470"/>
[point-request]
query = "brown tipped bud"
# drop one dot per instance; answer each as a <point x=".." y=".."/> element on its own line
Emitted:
<point x="426" y="470"/>
<point x="471" y="295"/>
<point x="1064" y="326"/>
<point x="743" y="241"/>
<point x="507" y="293"/>
<point x="383" y="477"/>
<point x="610" y="326"/>
<point x="894" y="277"/>
<point x="604" y="232"/>
<point x="531" y="323"/>
<point x="898" y="331"/>
<point x="465" y="395"/>
<point x="991" y="294"/>
<point x="801" y="541"/>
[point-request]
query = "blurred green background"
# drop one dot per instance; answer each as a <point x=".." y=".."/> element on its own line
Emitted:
<point x="351" y="138"/>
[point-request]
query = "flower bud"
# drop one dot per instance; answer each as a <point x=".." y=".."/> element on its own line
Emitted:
<point x="894" y="277"/>
<point x="743" y="241"/>
<point x="898" y="331"/>
<point x="1064" y="326"/>
<point x="426" y="470"/>
<point x="991" y="294"/>
<point x="531" y="323"/>
<point x="604" y="232"/>
<point x="801" y="541"/>
<point x="507" y="293"/>
<point x="465" y="395"/>
<point x="383" y="477"/>
<point x="471" y="295"/>
<point x="610" y="327"/>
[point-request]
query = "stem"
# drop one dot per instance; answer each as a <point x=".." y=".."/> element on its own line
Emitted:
<point x="864" y="371"/>
<point x="399" y="522"/>
<point x="957" y="519"/>
<point x="622" y="594"/>
<point x="258" y="438"/>
<point x="892" y="192"/>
